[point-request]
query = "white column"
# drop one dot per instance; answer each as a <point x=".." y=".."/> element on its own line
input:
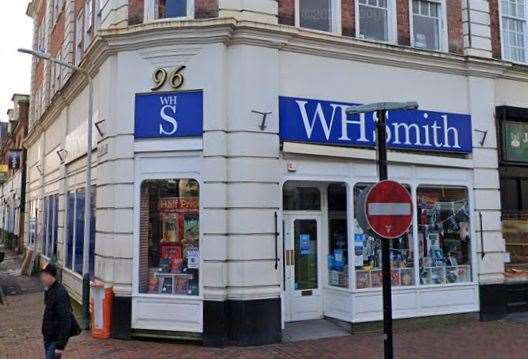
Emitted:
<point x="476" y="27"/>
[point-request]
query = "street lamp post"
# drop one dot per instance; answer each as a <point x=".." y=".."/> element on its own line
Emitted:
<point x="381" y="155"/>
<point x="88" y="184"/>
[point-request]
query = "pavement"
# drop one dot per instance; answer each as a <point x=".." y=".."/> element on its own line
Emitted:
<point x="449" y="338"/>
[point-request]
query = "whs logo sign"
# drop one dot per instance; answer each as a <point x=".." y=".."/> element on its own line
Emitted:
<point x="169" y="114"/>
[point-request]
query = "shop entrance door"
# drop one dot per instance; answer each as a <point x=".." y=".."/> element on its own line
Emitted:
<point x="302" y="258"/>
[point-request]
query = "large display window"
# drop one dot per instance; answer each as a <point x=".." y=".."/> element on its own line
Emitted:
<point x="444" y="235"/>
<point x="337" y="235"/>
<point x="367" y="254"/>
<point x="169" y="259"/>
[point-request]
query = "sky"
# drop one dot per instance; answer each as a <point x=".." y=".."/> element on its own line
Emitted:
<point x="16" y="30"/>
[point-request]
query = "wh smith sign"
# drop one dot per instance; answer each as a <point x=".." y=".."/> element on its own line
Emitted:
<point x="326" y="122"/>
<point x="169" y="114"/>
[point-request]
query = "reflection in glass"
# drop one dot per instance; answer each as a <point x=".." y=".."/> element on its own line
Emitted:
<point x="301" y="199"/>
<point x="367" y="255"/>
<point x="316" y="14"/>
<point x="305" y="237"/>
<point x="169" y="237"/>
<point x="337" y="236"/>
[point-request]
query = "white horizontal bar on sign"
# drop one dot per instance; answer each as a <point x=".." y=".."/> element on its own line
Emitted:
<point x="369" y="154"/>
<point x="389" y="209"/>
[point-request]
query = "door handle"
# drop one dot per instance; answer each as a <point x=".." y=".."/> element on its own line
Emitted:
<point x="290" y="257"/>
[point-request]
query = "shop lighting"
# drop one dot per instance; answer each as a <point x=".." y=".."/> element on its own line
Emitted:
<point x="98" y="127"/>
<point x="387" y="106"/>
<point x="62" y="154"/>
<point x="264" y="115"/>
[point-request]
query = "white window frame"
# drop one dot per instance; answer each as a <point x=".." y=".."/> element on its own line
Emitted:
<point x="501" y="25"/>
<point x="79" y="37"/>
<point x="442" y="33"/>
<point x="336" y="24"/>
<point x="392" y="23"/>
<point x="88" y="23"/>
<point x="150" y="12"/>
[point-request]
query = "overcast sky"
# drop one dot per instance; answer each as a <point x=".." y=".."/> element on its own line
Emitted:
<point x="15" y="69"/>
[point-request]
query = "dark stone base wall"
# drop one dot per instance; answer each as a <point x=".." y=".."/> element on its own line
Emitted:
<point x="239" y="323"/>
<point x="242" y="323"/>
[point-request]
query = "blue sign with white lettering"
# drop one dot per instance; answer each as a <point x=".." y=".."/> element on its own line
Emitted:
<point x="169" y="114"/>
<point x="326" y="122"/>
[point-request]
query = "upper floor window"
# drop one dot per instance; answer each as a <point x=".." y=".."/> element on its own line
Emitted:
<point x="169" y="9"/>
<point x="79" y="49"/>
<point x="428" y="24"/>
<point x="514" y="34"/>
<point x="320" y="15"/>
<point x="88" y="22"/>
<point x="376" y="20"/>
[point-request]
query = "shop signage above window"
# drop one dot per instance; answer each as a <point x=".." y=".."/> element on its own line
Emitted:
<point x="169" y="114"/>
<point x="326" y="122"/>
<point x="515" y="141"/>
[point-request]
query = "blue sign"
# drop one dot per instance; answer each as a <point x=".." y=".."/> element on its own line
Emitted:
<point x="304" y="244"/>
<point x="326" y="122"/>
<point x="169" y="114"/>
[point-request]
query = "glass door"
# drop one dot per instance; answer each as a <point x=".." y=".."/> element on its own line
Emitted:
<point x="303" y="263"/>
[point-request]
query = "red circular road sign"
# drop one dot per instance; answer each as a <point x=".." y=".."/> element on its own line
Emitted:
<point x="388" y="209"/>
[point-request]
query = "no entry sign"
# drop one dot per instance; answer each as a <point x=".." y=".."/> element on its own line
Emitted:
<point x="388" y="209"/>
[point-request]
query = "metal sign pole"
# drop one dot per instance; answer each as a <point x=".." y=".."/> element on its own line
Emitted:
<point x="381" y="146"/>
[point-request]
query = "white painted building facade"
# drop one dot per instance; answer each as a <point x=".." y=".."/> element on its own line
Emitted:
<point x="243" y="62"/>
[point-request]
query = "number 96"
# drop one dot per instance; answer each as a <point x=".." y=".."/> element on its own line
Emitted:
<point x="161" y="76"/>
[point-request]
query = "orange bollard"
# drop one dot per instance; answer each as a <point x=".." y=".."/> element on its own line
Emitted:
<point x="101" y="308"/>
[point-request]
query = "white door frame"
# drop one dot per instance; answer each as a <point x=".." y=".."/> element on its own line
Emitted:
<point x="310" y="299"/>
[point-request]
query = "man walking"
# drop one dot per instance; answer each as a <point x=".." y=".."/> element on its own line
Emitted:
<point x="57" y="320"/>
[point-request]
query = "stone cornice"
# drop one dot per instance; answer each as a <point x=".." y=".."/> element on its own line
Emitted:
<point x="230" y="31"/>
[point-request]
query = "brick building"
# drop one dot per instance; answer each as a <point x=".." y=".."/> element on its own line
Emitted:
<point x="12" y="188"/>
<point x="226" y="170"/>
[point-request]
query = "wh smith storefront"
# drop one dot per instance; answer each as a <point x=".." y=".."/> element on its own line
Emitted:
<point x="244" y="195"/>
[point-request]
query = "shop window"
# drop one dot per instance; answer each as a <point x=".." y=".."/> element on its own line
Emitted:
<point x="75" y="231"/>
<point x="88" y="23"/>
<point x="367" y="254"/>
<point x="316" y="14"/>
<point x="32" y="222"/>
<point x="79" y="48"/>
<point x="169" y="237"/>
<point x="50" y="223"/>
<point x="427" y="24"/>
<point x="375" y="19"/>
<point x="444" y="235"/>
<point x="514" y="32"/>
<point x="301" y="199"/>
<point x="337" y="235"/>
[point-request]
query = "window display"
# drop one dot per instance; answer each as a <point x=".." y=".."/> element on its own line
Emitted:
<point x="367" y="255"/>
<point x="443" y="235"/>
<point x="169" y="237"/>
<point x="337" y="236"/>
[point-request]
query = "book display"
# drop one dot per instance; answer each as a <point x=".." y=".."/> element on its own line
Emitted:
<point x="367" y="256"/>
<point x="443" y="235"/>
<point x="173" y="237"/>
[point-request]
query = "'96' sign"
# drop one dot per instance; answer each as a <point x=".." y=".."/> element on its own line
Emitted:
<point x="169" y="114"/>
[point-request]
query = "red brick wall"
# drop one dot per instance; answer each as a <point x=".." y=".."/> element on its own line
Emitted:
<point x="57" y="36"/>
<point x="79" y="5"/>
<point x="348" y="21"/>
<point x="403" y="22"/>
<point x="454" y="26"/>
<point x="495" y="29"/>
<point x="135" y="12"/>
<point x="205" y="9"/>
<point x="287" y="12"/>
<point x="41" y="12"/>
